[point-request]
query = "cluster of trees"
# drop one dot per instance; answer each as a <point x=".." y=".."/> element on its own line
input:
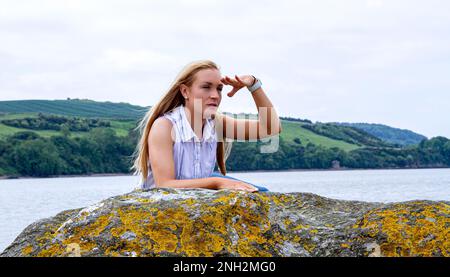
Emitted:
<point x="54" y="122"/>
<point x="346" y="133"/>
<point x="101" y="151"/>
<point x="295" y="119"/>
<point x="429" y="153"/>
<point x="387" y="133"/>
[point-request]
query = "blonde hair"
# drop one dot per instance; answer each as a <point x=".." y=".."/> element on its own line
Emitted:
<point x="167" y="103"/>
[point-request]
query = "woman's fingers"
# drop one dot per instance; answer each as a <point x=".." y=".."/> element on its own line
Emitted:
<point x="237" y="84"/>
<point x="234" y="82"/>
<point x="250" y="187"/>
<point x="232" y="92"/>
<point x="230" y="81"/>
<point x="239" y="80"/>
<point x="246" y="187"/>
<point x="225" y="81"/>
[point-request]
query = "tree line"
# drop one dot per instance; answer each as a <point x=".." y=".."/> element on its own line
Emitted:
<point x="434" y="152"/>
<point x="346" y="133"/>
<point x="101" y="151"/>
<point x="55" y="122"/>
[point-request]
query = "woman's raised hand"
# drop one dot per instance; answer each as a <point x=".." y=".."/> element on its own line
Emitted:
<point x="237" y="82"/>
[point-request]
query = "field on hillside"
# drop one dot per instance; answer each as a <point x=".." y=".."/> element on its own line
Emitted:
<point x="121" y="127"/>
<point x="74" y="107"/>
<point x="291" y="130"/>
<point x="124" y="116"/>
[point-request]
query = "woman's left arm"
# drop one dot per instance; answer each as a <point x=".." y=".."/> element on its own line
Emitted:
<point x="268" y="123"/>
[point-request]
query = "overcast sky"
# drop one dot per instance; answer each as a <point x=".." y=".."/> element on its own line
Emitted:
<point x="350" y="61"/>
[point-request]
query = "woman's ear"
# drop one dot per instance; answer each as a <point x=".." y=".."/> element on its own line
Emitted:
<point x="184" y="91"/>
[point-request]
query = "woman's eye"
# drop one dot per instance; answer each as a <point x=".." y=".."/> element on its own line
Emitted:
<point x="219" y="89"/>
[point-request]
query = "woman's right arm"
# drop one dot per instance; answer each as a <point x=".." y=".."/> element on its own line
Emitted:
<point x="160" y="145"/>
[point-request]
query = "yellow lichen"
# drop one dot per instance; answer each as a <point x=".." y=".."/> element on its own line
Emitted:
<point x="174" y="230"/>
<point x="309" y="246"/>
<point x="73" y="250"/>
<point x="300" y="227"/>
<point x="425" y="232"/>
<point x="144" y="200"/>
<point x="27" y="250"/>
<point x="81" y="236"/>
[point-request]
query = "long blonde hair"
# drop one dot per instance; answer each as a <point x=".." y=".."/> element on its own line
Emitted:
<point x="172" y="99"/>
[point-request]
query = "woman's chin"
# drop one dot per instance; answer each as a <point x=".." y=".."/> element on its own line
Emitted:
<point x="210" y="112"/>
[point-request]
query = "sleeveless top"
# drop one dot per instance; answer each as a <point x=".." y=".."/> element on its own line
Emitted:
<point x="193" y="158"/>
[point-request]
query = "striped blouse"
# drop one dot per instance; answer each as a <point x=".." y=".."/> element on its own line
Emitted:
<point x="193" y="158"/>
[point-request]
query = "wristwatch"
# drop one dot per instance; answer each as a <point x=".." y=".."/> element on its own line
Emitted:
<point x="256" y="85"/>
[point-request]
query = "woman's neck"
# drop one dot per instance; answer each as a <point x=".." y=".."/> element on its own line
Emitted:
<point x="194" y="120"/>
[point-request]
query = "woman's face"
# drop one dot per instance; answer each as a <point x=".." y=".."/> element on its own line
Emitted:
<point x="205" y="92"/>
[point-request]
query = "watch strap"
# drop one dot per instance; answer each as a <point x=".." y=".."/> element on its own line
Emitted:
<point x="256" y="85"/>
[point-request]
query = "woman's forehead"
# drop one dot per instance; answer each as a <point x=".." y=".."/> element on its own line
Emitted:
<point x="209" y="75"/>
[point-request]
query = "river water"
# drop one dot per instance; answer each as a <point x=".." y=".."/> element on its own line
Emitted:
<point x="23" y="201"/>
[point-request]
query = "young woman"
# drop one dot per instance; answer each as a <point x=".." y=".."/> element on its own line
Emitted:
<point x="184" y="134"/>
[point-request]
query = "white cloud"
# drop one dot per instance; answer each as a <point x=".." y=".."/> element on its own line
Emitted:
<point x="375" y="3"/>
<point x="325" y="60"/>
<point x="140" y="59"/>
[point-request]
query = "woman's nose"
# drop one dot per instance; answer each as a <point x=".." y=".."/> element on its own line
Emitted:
<point x="215" y="94"/>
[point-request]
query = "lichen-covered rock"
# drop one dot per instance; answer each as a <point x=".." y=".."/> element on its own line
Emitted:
<point x="200" y="222"/>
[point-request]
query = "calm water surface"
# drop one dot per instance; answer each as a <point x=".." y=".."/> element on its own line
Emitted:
<point x="23" y="201"/>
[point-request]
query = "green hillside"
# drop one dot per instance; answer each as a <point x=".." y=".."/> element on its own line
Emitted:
<point x="121" y="127"/>
<point x="74" y="107"/>
<point x="41" y="141"/>
<point x="123" y="117"/>
<point x="346" y="133"/>
<point x="389" y="134"/>
<point x="294" y="131"/>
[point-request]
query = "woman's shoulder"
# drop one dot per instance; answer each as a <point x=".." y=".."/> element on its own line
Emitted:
<point x="161" y="130"/>
<point x="162" y="122"/>
<point x="161" y="125"/>
<point x="173" y="115"/>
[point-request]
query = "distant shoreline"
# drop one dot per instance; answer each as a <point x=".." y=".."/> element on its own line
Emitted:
<point x="249" y="171"/>
<point x="335" y="169"/>
<point x="66" y="176"/>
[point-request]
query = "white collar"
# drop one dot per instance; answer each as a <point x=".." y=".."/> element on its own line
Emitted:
<point x="188" y="133"/>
